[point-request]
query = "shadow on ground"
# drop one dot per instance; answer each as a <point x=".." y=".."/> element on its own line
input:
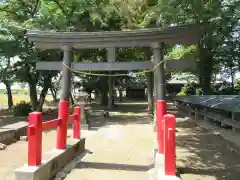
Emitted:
<point x="96" y="122"/>
<point x="205" y="154"/>
<point x="113" y="166"/>
<point x="123" y="114"/>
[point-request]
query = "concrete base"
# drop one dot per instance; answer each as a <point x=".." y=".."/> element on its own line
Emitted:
<point x="83" y="115"/>
<point x="52" y="163"/>
<point x="155" y="150"/>
<point x="154" y="174"/>
<point x="159" y="164"/>
<point x="160" y="171"/>
<point x="12" y="132"/>
<point x="85" y="126"/>
<point x="6" y="135"/>
<point x="20" y="128"/>
<point x="164" y="177"/>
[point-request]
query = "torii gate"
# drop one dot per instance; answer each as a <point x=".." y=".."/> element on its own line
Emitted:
<point x="155" y="38"/>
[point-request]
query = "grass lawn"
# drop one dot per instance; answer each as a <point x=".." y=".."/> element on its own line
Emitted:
<point x="17" y="98"/>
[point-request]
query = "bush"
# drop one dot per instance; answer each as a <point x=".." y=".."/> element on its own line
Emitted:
<point x="189" y="89"/>
<point x="228" y="91"/>
<point x="22" y="109"/>
<point x="71" y="107"/>
<point x="181" y="93"/>
<point x="199" y="91"/>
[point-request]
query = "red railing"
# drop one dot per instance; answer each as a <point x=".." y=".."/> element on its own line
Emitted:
<point x="36" y="127"/>
<point x="169" y="145"/>
<point x="160" y="112"/>
<point x="166" y="126"/>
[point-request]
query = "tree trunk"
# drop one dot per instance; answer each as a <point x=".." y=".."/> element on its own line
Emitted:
<point x="46" y="85"/>
<point x="110" y="93"/>
<point x="206" y="70"/>
<point x="33" y="95"/>
<point x="90" y="97"/>
<point x="54" y="94"/>
<point x="120" y="94"/>
<point x="150" y="92"/>
<point x="104" y="90"/>
<point x="72" y="99"/>
<point x="104" y="98"/>
<point x="232" y="77"/>
<point x="42" y="99"/>
<point x="9" y="94"/>
<point x="207" y="76"/>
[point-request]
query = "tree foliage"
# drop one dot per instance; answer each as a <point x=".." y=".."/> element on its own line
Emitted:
<point x="217" y="51"/>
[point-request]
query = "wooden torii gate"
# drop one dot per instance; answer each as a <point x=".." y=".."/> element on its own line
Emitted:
<point x="155" y="38"/>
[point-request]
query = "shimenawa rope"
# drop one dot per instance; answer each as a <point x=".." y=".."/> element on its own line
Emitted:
<point x="110" y="75"/>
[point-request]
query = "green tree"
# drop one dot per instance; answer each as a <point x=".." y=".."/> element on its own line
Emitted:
<point x="219" y="19"/>
<point x="7" y="77"/>
<point x="16" y="17"/>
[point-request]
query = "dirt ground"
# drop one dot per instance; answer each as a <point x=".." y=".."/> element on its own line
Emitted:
<point x="122" y="149"/>
<point x="15" y="155"/>
<point x="204" y="155"/>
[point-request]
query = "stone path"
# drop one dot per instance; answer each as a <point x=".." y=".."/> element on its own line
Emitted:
<point x="118" y="152"/>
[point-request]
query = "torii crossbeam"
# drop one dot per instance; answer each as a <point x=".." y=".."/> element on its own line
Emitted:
<point x="115" y="66"/>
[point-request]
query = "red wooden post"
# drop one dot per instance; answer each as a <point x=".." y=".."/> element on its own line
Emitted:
<point x="76" y="123"/>
<point x="62" y="127"/>
<point x="170" y="145"/>
<point x="160" y="112"/>
<point x="34" y="133"/>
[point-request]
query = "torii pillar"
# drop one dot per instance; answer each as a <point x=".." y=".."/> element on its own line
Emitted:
<point x="111" y="57"/>
<point x="64" y="98"/>
<point x="160" y="97"/>
<point x="66" y="74"/>
<point x="159" y="77"/>
<point x="66" y="87"/>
